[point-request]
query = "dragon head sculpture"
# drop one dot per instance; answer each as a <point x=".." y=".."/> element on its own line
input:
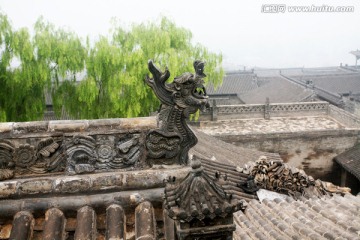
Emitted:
<point x="180" y="98"/>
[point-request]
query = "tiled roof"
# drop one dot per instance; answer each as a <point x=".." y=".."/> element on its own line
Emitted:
<point x="337" y="83"/>
<point x="299" y="71"/>
<point x="278" y="90"/>
<point x="350" y="160"/>
<point x="90" y="222"/>
<point x="328" y="218"/>
<point x="233" y="84"/>
<point x="199" y="196"/>
<point x="234" y="178"/>
<point x="209" y="147"/>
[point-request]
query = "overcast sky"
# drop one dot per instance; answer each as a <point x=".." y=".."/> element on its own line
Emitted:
<point x="237" y="28"/>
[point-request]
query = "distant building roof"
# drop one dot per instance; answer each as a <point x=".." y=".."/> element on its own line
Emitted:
<point x="337" y="83"/>
<point x="350" y="160"/>
<point x="356" y="53"/>
<point x="278" y="90"/>
<point x="234" y="83"/>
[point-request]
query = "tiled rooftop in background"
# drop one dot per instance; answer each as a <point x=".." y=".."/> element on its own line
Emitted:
<point x="335" y="83"/>
<point x="274" y="125"/>
<point x="278" y="90"/>
<point x="234" y="84"/>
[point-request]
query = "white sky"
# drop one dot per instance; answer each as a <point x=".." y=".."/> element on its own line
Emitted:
<point x="237" y="28"/>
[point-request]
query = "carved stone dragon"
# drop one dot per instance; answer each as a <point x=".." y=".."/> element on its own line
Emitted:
<point x="170" y="143"/>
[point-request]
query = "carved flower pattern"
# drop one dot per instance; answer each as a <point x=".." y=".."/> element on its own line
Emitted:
<point x="105" y="153"/>
<point x="25" y="155"/>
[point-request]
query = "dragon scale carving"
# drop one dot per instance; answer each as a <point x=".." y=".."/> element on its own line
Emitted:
<point x="172" y="140"/>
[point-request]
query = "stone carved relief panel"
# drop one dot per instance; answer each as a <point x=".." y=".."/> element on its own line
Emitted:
<point x="6" y="160"/>
<point x="30" y="157"/>
<point x="81" y="155"/>
<point x="76" y="154"/>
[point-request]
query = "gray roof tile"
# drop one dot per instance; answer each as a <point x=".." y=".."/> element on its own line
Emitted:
<point x="278" y="90"/>
<point x="233" y="84"/>
<point x="310" y="219"/>
<point x="350" y="160"/>
<point x="336" y="83"/>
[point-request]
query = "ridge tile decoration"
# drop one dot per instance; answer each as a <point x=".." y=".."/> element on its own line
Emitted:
<point x="282" y="178"/>
<point x="170" y="143"/>
<point x="199" y="205"/>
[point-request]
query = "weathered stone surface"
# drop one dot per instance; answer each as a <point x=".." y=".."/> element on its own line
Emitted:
<point x="72" y="184"/>
<point x="152" y="178"/>
<point x="36" y="186"/>
<point x="101" y="124"/>
<point x="68" y="126"/>
<point x="145" y="224"/>
<point x="107" y="182"/>
<point x="30" y="127"/>
<point x="54" y="226"/>
<point x="115" y="223"/>
<point x="7" y="188"/>
<point x="23" y="225"/>
<point x="6" y="127"/>
<point x="85" y="224"/>
<point x="122" y="124"/>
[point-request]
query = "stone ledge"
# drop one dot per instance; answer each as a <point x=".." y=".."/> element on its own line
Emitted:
<point x="21" y="129"/>
<point x="288" y="135"/>
<point x="97" y="182"/>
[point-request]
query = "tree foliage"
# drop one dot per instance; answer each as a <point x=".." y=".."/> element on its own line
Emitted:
<point x="41" y="59"/>
<point x="112" y="69"/>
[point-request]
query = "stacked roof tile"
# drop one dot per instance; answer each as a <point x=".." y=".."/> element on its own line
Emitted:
<point x="327" y="218"/>
<point x="350" y="160"/>
<point x="198" y="196"/>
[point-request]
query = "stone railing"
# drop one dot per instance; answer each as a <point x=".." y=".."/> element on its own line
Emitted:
<point x="73" y="146"/>
<point x="348" y="119"/>
<point x="222" y="112"/>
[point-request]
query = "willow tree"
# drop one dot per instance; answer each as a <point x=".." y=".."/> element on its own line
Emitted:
<point x="5" y="58"/>
<point x="31" y="65"/>
<point x="22" y="93"/>
<point x="116" y="68"/>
